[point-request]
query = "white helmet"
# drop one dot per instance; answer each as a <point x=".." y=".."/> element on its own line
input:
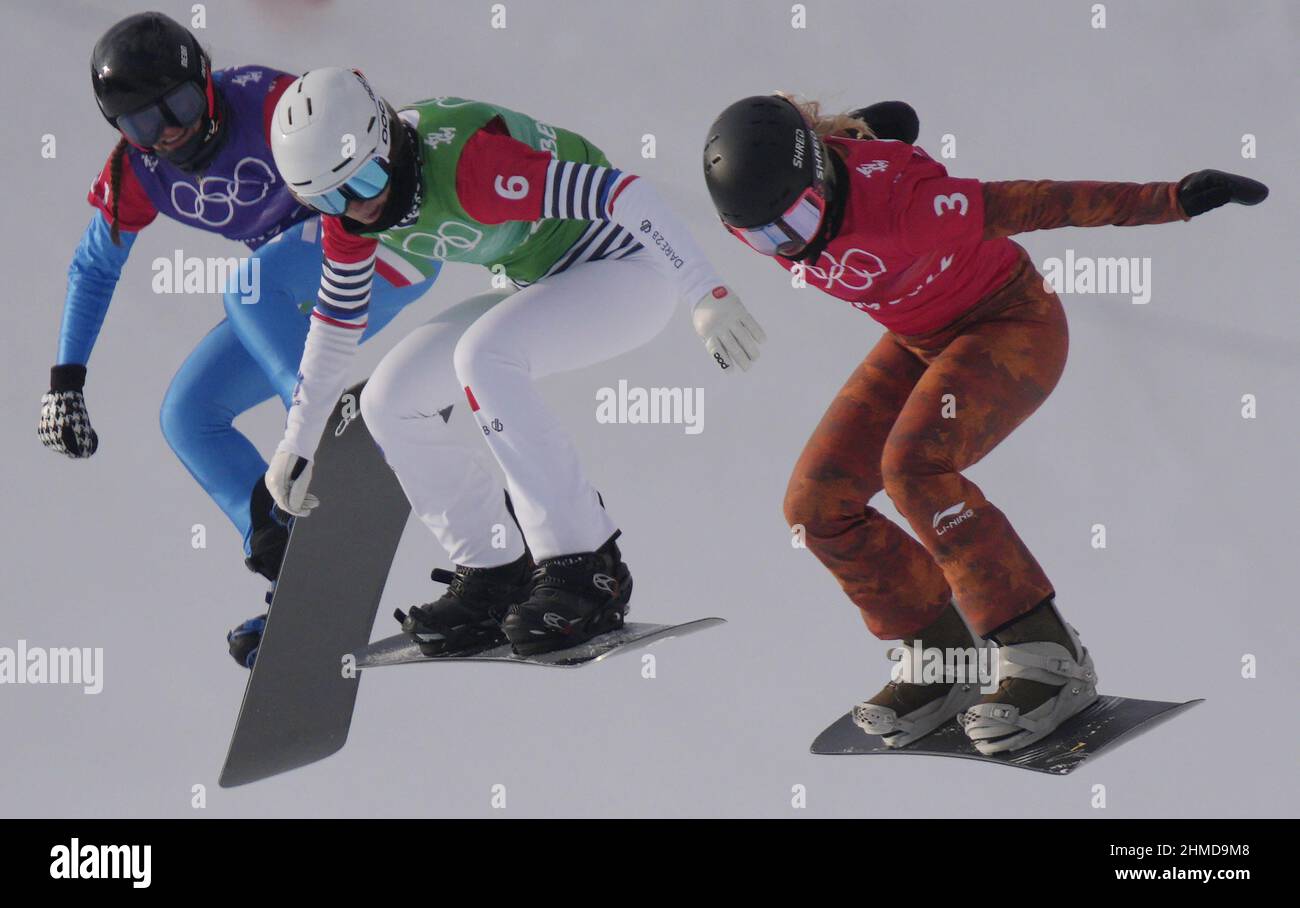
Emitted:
<point x="331" y="138"/>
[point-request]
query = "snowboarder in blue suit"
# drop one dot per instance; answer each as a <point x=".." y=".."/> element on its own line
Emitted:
<point x="193" y="146"/>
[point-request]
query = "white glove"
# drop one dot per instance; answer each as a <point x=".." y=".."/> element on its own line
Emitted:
<point x="287" y="479"/>
<point x="730" y="333"/>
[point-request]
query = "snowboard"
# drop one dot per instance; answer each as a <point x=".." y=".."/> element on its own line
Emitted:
<point x="402" y="649"/>
<point x="298" y="703"/>
<point x="1098" y="728"/>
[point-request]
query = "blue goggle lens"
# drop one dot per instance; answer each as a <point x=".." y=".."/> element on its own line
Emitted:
<point x="369" y="181"/>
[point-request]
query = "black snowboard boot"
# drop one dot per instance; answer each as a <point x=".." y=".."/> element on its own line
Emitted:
<point x="469" y="614"/>
<point x="270" y="536"/>
<point x="574" y="598"/>
<point x="245" y="640"/>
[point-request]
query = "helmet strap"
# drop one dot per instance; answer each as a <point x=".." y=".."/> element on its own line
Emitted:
<point x="406" y="192"/>
<point x="836" y="202"/>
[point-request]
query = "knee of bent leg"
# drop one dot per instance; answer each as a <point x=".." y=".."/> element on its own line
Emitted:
<point x="800" y="504"/>
<point x="186" y="417"/>
<point x="481" y="352"/>
<point x="820" y="509"/>
<point x="905" y="467"/>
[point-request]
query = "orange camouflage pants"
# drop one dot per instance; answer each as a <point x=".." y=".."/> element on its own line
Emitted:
<point x="893" y="427"/>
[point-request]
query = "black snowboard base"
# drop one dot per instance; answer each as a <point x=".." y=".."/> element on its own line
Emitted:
<point x="298" y="702"/>
<point x="401" y="649"/>
<point x="1099" y="727"/>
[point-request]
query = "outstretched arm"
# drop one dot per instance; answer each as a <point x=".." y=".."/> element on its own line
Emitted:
<point x="1019" y="206"/>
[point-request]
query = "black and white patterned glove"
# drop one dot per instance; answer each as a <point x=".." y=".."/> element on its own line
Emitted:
<point x="65" y="424"/>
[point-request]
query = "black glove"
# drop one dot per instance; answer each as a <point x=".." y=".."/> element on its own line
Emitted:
<point x="1206" y="189"/>
<point x="65" y="424"/>
<point x="891" y="120"/>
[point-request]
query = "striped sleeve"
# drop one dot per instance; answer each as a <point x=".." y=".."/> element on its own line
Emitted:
<point x="337" y="322"/>
<point x="347" y="271"/>
<point x="584" y="192"/>
<point x="499" y="178"/>
<point x="344" y="296"/>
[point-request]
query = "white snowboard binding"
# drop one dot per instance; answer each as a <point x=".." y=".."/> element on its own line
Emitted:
<point x="998" y="727"/>
<point x="900" y="731"/>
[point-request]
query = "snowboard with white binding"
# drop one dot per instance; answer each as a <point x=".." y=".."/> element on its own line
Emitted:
<point x="1097" y="728"/>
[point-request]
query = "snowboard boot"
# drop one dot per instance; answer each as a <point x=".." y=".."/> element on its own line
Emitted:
<point x="908" y="708"/>
<point x="243" y="641"/>
<point x="1046" y="675"/>
<point x="469" y="614"/>
<point x="270" y="535"/>
<point x="574" y="598"/>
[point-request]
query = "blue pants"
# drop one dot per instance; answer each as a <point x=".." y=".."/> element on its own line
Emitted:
<point x="249" y="357"/>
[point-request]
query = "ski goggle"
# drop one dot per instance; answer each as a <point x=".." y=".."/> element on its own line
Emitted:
<point x="369" y="181"/>
<point x="792" y="231"/>
<point x="181" y="107"/>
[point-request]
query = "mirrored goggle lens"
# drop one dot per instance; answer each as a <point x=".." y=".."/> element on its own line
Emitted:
<point x="369" y="181"/>
<point x="789" y="233"/>
<point x="180" y="107"/>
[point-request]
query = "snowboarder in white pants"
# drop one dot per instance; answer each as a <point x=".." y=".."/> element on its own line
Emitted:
<point x="600" y="262"/>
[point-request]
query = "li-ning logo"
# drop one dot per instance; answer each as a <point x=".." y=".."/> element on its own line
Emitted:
<point x="952" y="517"/>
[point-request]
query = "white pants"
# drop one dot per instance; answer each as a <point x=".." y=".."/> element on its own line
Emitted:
<point x="485" y="353"/>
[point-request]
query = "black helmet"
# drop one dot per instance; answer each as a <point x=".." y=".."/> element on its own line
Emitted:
<point x="149" y="72"/>
<point x="760" y="156"/>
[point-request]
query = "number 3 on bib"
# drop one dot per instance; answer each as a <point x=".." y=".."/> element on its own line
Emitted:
<point x="955" y="202"/>
<point x="515" y="187"/>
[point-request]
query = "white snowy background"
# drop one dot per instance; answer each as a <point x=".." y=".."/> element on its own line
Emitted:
<point x="1144" y="433"/>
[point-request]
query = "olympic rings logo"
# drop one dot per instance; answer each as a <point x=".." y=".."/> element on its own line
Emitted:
<point x="851" y="274"/>
<point x="452" y="236"/>
<point x="214" y="200"/>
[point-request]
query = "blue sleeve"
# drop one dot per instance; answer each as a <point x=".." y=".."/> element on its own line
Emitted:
<point x="92" y="278"/>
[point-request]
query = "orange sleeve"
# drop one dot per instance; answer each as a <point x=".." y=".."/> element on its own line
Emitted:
<point x="1017" y="206"/>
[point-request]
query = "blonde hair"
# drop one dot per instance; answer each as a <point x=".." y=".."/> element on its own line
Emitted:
<point x="839" y="124"/>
